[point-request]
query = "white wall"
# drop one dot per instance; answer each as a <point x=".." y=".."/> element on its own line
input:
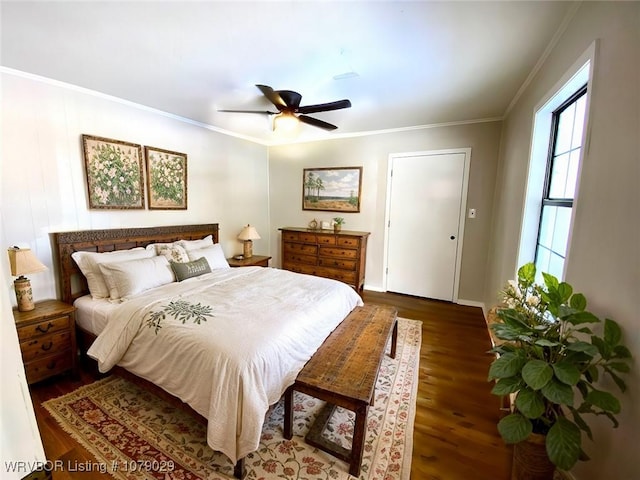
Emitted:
<point x="604" y="258"/>
<point x="43" y="180"/>
<point x="286" y="164"/>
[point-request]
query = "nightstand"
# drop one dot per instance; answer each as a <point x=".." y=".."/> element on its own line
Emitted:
<point x="253" y="261"/>
<point x="47" y="338"/>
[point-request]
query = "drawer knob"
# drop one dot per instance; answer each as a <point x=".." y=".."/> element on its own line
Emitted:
<point x="47" y="346"/>
<point x="42" y="329"/>
<point x="51" y="365"/>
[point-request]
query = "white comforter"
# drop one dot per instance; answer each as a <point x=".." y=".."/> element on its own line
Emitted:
<point x="262" y="325"/>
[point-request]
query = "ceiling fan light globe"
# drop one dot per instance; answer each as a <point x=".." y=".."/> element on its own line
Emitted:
<point x="285" y="122"/>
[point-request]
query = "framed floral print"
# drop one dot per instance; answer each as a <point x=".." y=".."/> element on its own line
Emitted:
<point x="335" y="189"/>
<point x="114" y="173"/>
<point x="166" y="179"/>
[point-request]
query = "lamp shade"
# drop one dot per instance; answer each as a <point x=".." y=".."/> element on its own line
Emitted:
<point x="22" y="261"/>
<point x="248" y="233"/>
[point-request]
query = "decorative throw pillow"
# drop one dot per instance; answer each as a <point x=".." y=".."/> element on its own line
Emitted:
<point x="125" y="279"/>
<point x="214" y="255"/>
<point x="196" y="268"/>
<point x="173" y="253"/>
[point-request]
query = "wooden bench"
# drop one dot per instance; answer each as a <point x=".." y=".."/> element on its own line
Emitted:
<point x="343" y="372"/>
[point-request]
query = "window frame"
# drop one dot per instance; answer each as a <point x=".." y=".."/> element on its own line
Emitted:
<point x="546" y="200"/>
<point x="579" y="74"/>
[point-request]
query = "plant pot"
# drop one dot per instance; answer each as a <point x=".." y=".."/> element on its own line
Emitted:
<point x="337" y="228"/>
<point x="530" y="460"/>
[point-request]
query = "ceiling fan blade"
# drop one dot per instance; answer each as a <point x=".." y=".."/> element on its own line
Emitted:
<point x="325" y="107"/>
<point x="273" y="96"/>
<point x="316" y="123"/>
<point x="262" y="112"/>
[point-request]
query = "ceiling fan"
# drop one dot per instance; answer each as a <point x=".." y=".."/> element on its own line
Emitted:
<point x="288" y="104"/>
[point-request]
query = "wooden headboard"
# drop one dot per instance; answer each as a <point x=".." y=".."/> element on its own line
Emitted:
<point x="72" y="283"/>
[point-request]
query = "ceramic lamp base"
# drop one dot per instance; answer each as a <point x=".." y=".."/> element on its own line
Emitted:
<point x="248" y="249"/>
<point x="24" y="294"/>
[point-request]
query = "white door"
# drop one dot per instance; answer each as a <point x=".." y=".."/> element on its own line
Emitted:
<point x="424" y="223"/>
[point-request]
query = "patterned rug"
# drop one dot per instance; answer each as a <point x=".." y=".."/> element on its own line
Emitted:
<point x="135" y="435"/>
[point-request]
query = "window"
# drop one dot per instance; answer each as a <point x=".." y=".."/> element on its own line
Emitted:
<point x="560" y="123"/>
<point x="567" y="124"/>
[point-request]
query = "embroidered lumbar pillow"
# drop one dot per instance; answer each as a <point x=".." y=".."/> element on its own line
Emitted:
<point x="186" y="270"/>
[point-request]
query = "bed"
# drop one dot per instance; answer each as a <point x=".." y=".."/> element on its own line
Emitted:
<point x="242" y="334"/>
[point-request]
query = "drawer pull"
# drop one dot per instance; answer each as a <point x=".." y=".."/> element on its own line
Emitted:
<point x="47" y="347"/>
<point x="51" y="365"/>
<point x="42" y="329"/>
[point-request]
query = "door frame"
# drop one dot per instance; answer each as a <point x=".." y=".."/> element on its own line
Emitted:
<point x="463" y="208"/>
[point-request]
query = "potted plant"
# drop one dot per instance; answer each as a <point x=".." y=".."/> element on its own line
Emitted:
<point x="550" y="363"/>
<point x="337" y="223"/>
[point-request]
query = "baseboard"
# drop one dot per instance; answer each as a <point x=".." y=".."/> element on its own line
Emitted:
<point x="470" y="303"/>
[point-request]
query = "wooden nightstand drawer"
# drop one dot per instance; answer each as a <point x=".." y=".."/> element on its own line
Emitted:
<point x="42" y="328"/>
<point x="48" y="366"/>
<point x="39" y="347"/>
<point x="47" y="339"/>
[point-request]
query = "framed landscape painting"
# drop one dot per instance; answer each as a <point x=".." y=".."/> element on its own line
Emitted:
<point x="114" y="173"/>
<point x="166" y="179"/>
<point x="335" y="189"/>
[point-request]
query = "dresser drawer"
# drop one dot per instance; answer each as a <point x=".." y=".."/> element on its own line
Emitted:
<point x="300" y="268"/>
<point x="300" y="248"/>
<point x="338" y="252"/>
<point x="337" y="263"/>
<point x="292" y="257"/>
<point x="43" y="345"/>
<point x="290" y="236"/>
<point x="307" y="237"/>
<point x="41" y="328"/>
<point x="47" y="366"/>
<point x="326" y="239"/>
<point x="348" y="242"/>
<point x="342" y="275"/>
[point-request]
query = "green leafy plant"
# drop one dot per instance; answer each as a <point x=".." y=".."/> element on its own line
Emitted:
<point x="338" y="220"/>
<point x="551" y="355"/>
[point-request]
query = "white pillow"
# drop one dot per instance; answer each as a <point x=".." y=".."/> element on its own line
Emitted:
<point x="213" y="254"/>
<point x="130" y="278"/>
<point x="88" y="263"/>
<point x="196" y="244"/>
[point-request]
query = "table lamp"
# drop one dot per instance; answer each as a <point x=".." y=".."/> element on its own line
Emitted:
<point x="247" y="235"/>
<point x="22" y="261"/>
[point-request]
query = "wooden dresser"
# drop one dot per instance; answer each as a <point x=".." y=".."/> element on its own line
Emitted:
<point x="47" y="338"/>
<point x="323" y="253"/>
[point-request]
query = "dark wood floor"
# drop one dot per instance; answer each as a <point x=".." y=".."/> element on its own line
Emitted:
<point x="455" y="436"/>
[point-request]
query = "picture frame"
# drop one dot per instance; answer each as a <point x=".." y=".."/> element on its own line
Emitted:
<point x="114" y="173"/>
<point x="166" y="179"/>
<point x="332" y="189"/>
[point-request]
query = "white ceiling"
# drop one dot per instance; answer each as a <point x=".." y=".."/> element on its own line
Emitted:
<point x="408" y="63"/>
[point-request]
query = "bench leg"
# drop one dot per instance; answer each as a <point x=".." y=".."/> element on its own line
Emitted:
<point x="394" y="339"/>
<point x="357" y="447"/>
<point x="288" y="413"/>
<point x="238" y="469"/>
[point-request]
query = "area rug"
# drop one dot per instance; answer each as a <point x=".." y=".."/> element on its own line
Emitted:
<point x="135" y="435"/>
